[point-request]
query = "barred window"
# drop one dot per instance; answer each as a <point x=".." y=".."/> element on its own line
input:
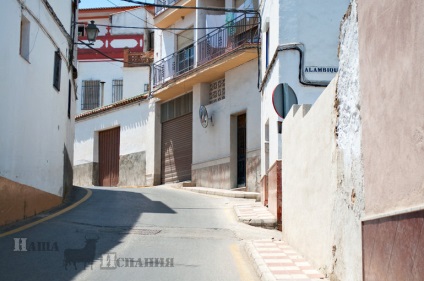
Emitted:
<point x="117" y="90"/>
<point x="217" y="91"/>
<point x="90" y="94"/>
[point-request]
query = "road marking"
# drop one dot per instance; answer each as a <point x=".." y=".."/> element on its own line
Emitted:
<point x="240" y="263"/>
<point x="19" y="229"/>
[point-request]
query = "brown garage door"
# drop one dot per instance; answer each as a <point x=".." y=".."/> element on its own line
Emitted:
<point x="177" y="149"/>
<point x="109" y="157"/>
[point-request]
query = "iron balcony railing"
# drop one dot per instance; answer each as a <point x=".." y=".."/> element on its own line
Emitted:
<point x="159" y="10"/>
<point x="243" y="29"/>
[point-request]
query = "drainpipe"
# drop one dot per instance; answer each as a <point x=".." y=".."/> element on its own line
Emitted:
<point x="102" y="90"/>
<point x="302" y="79"/>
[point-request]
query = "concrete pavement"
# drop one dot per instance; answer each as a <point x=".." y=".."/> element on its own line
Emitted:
<point x="155" y="233"/>
<point x="158" y="233"/>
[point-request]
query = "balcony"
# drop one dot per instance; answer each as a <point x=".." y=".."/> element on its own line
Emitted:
<point x="225" y="48"/>
<point x="165" y="17"/>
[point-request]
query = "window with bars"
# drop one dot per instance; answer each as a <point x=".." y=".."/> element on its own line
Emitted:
<point x="117" y="90"/>
<point x="90" y="98"/>
<point x="217" y="91"/>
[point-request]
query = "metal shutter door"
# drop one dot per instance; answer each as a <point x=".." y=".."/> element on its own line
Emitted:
<point x="177" y="149"/>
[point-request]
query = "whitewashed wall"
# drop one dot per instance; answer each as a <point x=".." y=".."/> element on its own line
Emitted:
<point x="105" y="71"/>
<point x="134" y="80"/>
<point x="316" y="26"/>
<point x="35" y="126"/>
<point x="137" y="123"/>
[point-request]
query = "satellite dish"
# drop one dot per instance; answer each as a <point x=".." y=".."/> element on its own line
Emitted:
<point x="283" y="99"/>
<point x="203" y="115"/>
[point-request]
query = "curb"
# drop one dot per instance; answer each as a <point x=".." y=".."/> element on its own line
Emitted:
<point x="265" y="223"/>
<point x="49" y="217"/>
<point x="219" y="192"/>
<point x="258" y="263"/>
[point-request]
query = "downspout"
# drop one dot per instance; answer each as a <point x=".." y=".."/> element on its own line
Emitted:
<point x="302" y="79"/>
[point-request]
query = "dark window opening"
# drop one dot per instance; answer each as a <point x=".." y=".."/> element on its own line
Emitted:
<point x="69" y="99"/>
<point x="56" y="71"/>
<point x="81" y="30"/>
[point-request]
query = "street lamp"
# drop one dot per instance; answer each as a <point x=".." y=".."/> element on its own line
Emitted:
<point x="92" y="32"/>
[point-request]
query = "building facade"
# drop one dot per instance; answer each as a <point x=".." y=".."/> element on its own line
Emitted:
<point x="115" y="121"/>
<point x="300" y="52"/>
<point x="38" y="104"/>
<point x="208" y="62"/>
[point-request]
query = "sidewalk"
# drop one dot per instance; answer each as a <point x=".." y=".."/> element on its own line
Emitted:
<point x="275" y="260"/>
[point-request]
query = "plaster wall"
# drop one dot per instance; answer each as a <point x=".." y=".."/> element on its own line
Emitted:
<point x="316" y="26"/>
<point x="212" y="145"/>
<point x="137" y="123"/>
<point x="134" y="80"/>
<point x="131" y="18"/>
<point x="349" y="199"/>
<point x="309" y="177"/>
<point x="393" y="124"/>
<point x="105" y="71"/>
<point x="36" y="130"/>
<point x="322" y="174"/>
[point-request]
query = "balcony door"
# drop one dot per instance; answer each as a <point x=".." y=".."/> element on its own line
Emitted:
<point x="185" y="51"/>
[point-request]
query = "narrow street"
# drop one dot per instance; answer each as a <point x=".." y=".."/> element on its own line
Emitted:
<point x="157" y="233"/>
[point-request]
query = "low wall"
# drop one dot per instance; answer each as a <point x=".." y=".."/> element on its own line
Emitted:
<point x="19" y="201"/>
<point x="309" y="177"/>
<point x="132" y="169"/>
<point x="86" y="174"/>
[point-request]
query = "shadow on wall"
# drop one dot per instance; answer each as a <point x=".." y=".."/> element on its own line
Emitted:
<point x="83" y="238"/>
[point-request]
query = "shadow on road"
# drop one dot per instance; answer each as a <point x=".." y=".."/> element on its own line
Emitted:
<point x="81" y="239"/>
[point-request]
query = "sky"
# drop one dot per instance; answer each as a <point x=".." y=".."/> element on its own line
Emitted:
<point x="105" y="3"/>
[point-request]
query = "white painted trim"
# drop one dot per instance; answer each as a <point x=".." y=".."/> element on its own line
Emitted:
<point x="393" y="213"/>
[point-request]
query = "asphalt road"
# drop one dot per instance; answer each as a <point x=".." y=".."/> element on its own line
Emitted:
<point x="155" y="233"/>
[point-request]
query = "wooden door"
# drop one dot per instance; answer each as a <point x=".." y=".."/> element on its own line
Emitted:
<point x="109" y="157"/>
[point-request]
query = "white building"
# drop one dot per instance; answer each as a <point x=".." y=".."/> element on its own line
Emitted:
<point x="216" y="68"/>
<point x="115" y="121"/>
<point x="299" y="49"/>
<point x="37" y="107"/>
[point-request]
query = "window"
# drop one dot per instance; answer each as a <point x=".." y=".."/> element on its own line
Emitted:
<point x="117" y="89"/>
<point x="177" y="107"/>
<point x="25" y="30"/>
<point x="81" y="30"/>
<point x="69" y="99"/>
<point x="185" y="47"/>
<point x="151" y="41"/>
<point x="267" y="49"/>
<point x="217" y="91"/>
<point x="90" y="94"/>
<point x="56" y="70"/>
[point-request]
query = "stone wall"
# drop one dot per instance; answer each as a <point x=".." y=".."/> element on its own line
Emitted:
<point x="132" y="169"/>
<point x="86" y="174"/>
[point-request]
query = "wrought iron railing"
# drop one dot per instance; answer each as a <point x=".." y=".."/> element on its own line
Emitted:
<point x="173" y="65"/>
<point x="159" y="10"/>
<point x="243" y="29"/>
<point x="235" y="33"/>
